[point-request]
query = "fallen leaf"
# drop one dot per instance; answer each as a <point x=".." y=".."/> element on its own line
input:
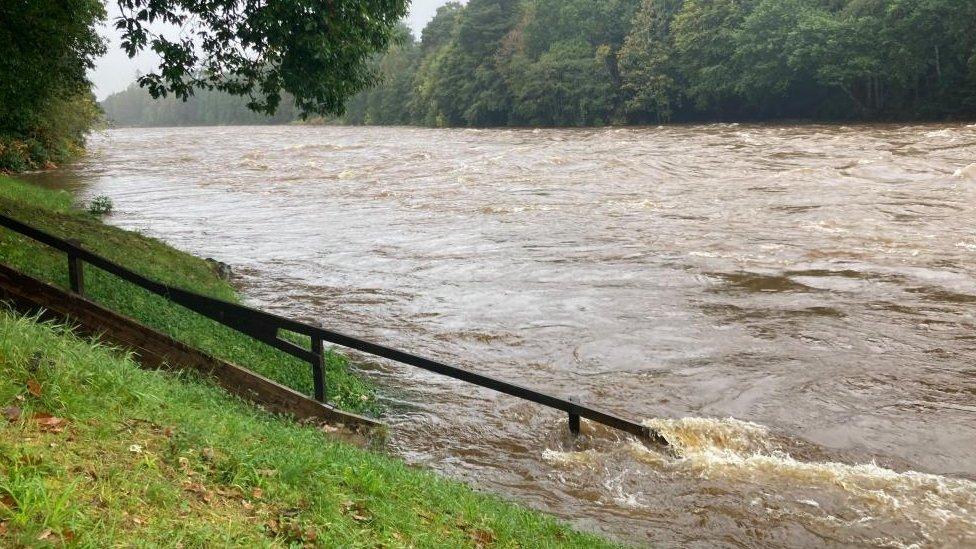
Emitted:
<point x="68" y="535"/>
<point x="267" y="472"/>
<point x="195" y="487"/>
<point x="168" y="432"/>
<point x="3" y="528"/>
<point x="34" y="387"/>
<point x="12" y="413"/>
<point x="135" y="448"/>
<point x="49" y="423"/>
<point x="137" y="520"/>
<point x="482" y="538"/>
<point x="200" y="490"/>
<point x="356" y="510"/>
<point x="247" y="505"/>
<point x="8" y="501"/>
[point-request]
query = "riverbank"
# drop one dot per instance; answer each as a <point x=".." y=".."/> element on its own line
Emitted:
<point x="55" y="212"/>
<point x="95" y="451"/>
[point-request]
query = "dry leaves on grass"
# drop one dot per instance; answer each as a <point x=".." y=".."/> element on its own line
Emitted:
<point x="48" y="423"/>
<point x="291" y="530"/>
<point x="12" y="413"/>
<point x="199" y="489"/>
<point x="34" y="387"/>
<point x="356" y="510"/>
<point x="482" y="538"/>
<point x="8" y="501"/>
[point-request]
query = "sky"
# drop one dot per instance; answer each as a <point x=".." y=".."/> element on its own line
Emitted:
<point x="115" y="71"/>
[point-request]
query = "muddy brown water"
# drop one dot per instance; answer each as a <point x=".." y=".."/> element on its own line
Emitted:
<point x="792" y="306"/>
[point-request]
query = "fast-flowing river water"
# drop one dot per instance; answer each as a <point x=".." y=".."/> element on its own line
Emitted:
<point x="794" y="307"/>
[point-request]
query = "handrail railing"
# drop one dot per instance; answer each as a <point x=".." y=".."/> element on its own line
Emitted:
<point x="265" y="327"/>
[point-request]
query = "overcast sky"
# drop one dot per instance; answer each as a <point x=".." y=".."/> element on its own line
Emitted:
<point x="115" y="71"/>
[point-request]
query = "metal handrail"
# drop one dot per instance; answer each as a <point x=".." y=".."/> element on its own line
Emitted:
<point x="265" y="327"/>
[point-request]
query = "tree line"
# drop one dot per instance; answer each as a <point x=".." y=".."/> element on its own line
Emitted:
<point x="596" y="62"/>
<point x="585" y="62"/>
<point x="134" y="106"/>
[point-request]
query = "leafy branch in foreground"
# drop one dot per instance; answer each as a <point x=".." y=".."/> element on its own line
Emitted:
<point x="316" y="50"/>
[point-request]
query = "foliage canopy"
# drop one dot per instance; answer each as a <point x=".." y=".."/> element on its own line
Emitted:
<point x="592" y="62"/>
<point x="314" y="53"/>
<point x="317" y="50"/>
<point x="587" y="62"/>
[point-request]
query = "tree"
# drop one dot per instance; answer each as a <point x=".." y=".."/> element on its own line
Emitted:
<point x="317" y="50"/>
<point x="385" y="103"/>
<point x="589" y="62"/>
<point x="467" y="82"/>
<point x="440" y="30"/>
<point x="46" y="104"/>
<point x="568" y="86"/>
<point x="704" y="33"/>
<point x="650" y="72"/>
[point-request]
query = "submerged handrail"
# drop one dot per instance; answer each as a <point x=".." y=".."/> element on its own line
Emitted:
<point x="265" y="327"/>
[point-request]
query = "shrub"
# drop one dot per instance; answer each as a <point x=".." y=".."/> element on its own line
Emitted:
<point x="56" y="134"/>
<point x="100" y="205"/>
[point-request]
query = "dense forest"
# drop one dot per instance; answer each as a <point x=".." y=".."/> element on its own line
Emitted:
<point x="592" y="62"/>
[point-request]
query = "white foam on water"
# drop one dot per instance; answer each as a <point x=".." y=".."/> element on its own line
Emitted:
<point x="969" y="172"/>
<point x="941" y="510"/>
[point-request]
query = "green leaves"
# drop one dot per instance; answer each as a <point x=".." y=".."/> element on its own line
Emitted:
<point x="316" y="50"/>
<point x="45" y="99"/>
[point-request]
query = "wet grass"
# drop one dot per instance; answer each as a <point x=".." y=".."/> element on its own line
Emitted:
<point x="96" y="452"/>
<point x="54" y="212"/>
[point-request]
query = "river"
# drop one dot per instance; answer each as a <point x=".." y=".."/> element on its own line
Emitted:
<point x="793" y="306"/>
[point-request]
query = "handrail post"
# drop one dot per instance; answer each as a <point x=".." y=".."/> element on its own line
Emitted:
<point x="264" y="327"/>
<point x="574" y="419"/>
<point x="76" y="273"/>
<point x="318" y="368"/>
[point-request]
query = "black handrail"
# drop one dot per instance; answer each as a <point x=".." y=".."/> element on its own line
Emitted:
<point x="265" y="327"/>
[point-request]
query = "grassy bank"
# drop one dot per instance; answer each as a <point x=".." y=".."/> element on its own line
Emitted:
<point x="97" y="452"/>
<point x="55" y="212"/>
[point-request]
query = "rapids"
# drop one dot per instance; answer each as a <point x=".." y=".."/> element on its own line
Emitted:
<point x="817" y="283"/>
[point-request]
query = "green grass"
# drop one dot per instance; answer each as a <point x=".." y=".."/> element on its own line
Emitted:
<point x="96" y="452"/>
<point x="54" y="212"/>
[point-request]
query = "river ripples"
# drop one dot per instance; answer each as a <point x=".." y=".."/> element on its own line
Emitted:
<point x="816" y="283"/>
